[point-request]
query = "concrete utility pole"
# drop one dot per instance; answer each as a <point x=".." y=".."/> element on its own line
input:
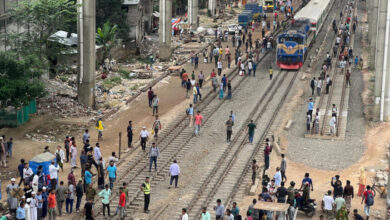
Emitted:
<point x="165" y="29"/>
<point x="193" y="14"/>
<point x="86" y="30"/>
<point x="148" y="5"/>
<point x="212" y="6"/>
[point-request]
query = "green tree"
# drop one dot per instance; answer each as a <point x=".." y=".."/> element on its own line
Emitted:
<point x="39" y="19"/>
<point x="106" y="36"/>
<point x="113" y="11"/>
<point x="19" y="79"/>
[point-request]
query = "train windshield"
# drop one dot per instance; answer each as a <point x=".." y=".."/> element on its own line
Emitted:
<point x="299" y="40"/>
<point x="269" y="3"/>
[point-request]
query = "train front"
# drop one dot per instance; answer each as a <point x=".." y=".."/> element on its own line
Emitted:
<point x="290" y="52"/>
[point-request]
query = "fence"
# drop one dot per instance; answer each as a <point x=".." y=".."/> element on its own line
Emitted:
<point x="14" y="117"/>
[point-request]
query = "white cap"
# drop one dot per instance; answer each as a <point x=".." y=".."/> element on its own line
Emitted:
<point x="1" y="138"/>
<point x="13" y="180"/>
<point x="33" y="193"/>
<point x="28" y="200"/>
<point x="23" y="197"/>
<point x="143" y="127"/>
<point x="44" y="187"/>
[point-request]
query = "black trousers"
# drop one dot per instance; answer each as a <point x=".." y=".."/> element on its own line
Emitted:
<point x="176" y="178"/>
<point x="143" y="143"/>
<point x="146" y="202"/>
<point x="129" y="140"/>
<point x="108" y="209"/>
<point x="228" y="135"/>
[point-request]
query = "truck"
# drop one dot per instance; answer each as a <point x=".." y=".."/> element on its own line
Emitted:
<point x="268" y="5"/>
<point x="245" y="18"/>
<point x="252" y="6"/>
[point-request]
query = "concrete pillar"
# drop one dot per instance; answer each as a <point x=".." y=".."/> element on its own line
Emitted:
<point x="147" y="18"/>
<point x="212" y="7"/>
<point x="87" y="53"/>
<point x="377" y="45"/>
<point x="373" y="26"/>
<point x="165" y="29"/>
<point x="193" y="14"/>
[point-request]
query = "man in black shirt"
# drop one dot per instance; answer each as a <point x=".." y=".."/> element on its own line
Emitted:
<point x="88" y="210"/>
<point x="129" y="134"/>
<point x="281" y="193"/>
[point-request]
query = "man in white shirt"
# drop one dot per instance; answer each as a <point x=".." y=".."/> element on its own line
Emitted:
<point x="229" y="214"/>
<point x="53" y="170"/>
<point x="174" y="172"/>
<point x="184" y="215"/>
<point x="27" y="173"/>
<point x="327" y="203"/>
<point x="144" y="135"/>
<point x="278" y="177"/>
<point x="332" y="125"/>
<point x="85" y="136"/>
<point x="96" y="153"/>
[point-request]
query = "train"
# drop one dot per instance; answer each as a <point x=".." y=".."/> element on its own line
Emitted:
<point x="293" y="43"/>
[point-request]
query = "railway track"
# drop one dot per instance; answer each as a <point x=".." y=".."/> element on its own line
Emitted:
<point x="232" y="166"/>
<point x="172" y="144"/>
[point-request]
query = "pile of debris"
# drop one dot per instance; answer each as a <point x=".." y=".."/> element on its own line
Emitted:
<point x="63" y="107"/>
<point x="41" y="137"/>
<point x="381" y="177"/>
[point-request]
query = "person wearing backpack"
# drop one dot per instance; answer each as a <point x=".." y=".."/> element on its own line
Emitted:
<point x="368" y="198"/>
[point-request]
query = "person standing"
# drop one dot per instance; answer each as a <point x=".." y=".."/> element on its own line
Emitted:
<point x="267" y="151"/>
<point x="283" y="167"/>
<point x="319" y="86"/>
<point x="310" y="107"/>
<point x="144" y="135"/>
<point x="40" y="204"/>
<point x="194" y="94"/>
<point x="174" y="171"/>
<point x="348" y="195"/>
<point x="100" y="128"/>
<point x="34" y="206"/>
<point x="60" y="197"/>
<point x="11" y="199"/>
<point x="198" y="122"/>
<point x="313" y="84"/>
<point x="308" y="122"/>
<point x="229" y="128"/>
<point x="83" y="162"/>
<point x="362" y="181"/>
<point x="67" y="148"/>
<point x="121" y="204"/>
<point x="52" y="204"/>
<point x="368" y="199"/>
<point x="20" y="213"/>
<point x="79" y="194"/>
<point x="105" y="195"/>
<point x="150" y="96"/>
<point x="145" y="187"/>
<point x="184" y="215"/>
<point x="60" y="157"/>
<point x="328" y="202"/>
<point x="154" y="152"/>
<point x="111" y="172"/>
<point x="27" y="174"/>
<point x="88" y="210"/>
<point x="69" y="198"/>
<point x="328" y="84"/>
<point x="44" y="203"/>
<point x="281" y="193"/>
<point x="317" y="124"/>
<point x="278" y="177"/>
<point x="155" y="103"/>
<point x="214" y="82"/>
<point x="205" y="214"/>
<point x="271" y="73"/>
<point x="200" y="78"/>
<point x="3" y="152"/>
<point x="130" y="134"/>
<point x="100" y="172"/>
<point x="73" y="154"/>
<point x="85" y="136"/>
<point x="190" y="113"/>
<point x="53" y="170"/>
<point x="339" y="202"/>
<point x="251" y="131"/>
<point x="255" y="167"/>
<point x="332" y="125"/>
<point x="229" y="92"/>
<point x="219" y="210"/>
<point x="224" y="82"/>
<point x="97" y="153"/>
<point x="20" y="169"/>
<point x="348" y="78"/>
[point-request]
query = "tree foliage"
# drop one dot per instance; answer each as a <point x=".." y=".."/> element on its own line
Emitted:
<point x="106" y="36"/>
<point x="112" y="11"/>
<point x="38" y="20"/>
<point x="19" y="79"/>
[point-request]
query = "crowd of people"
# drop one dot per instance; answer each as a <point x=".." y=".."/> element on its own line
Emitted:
<point x="346" y="61"/>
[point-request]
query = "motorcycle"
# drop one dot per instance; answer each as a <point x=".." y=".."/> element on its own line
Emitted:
<point x="309" y="209"/>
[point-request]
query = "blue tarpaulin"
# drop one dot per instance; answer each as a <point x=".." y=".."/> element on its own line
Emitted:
<point x="44" y="160"/>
